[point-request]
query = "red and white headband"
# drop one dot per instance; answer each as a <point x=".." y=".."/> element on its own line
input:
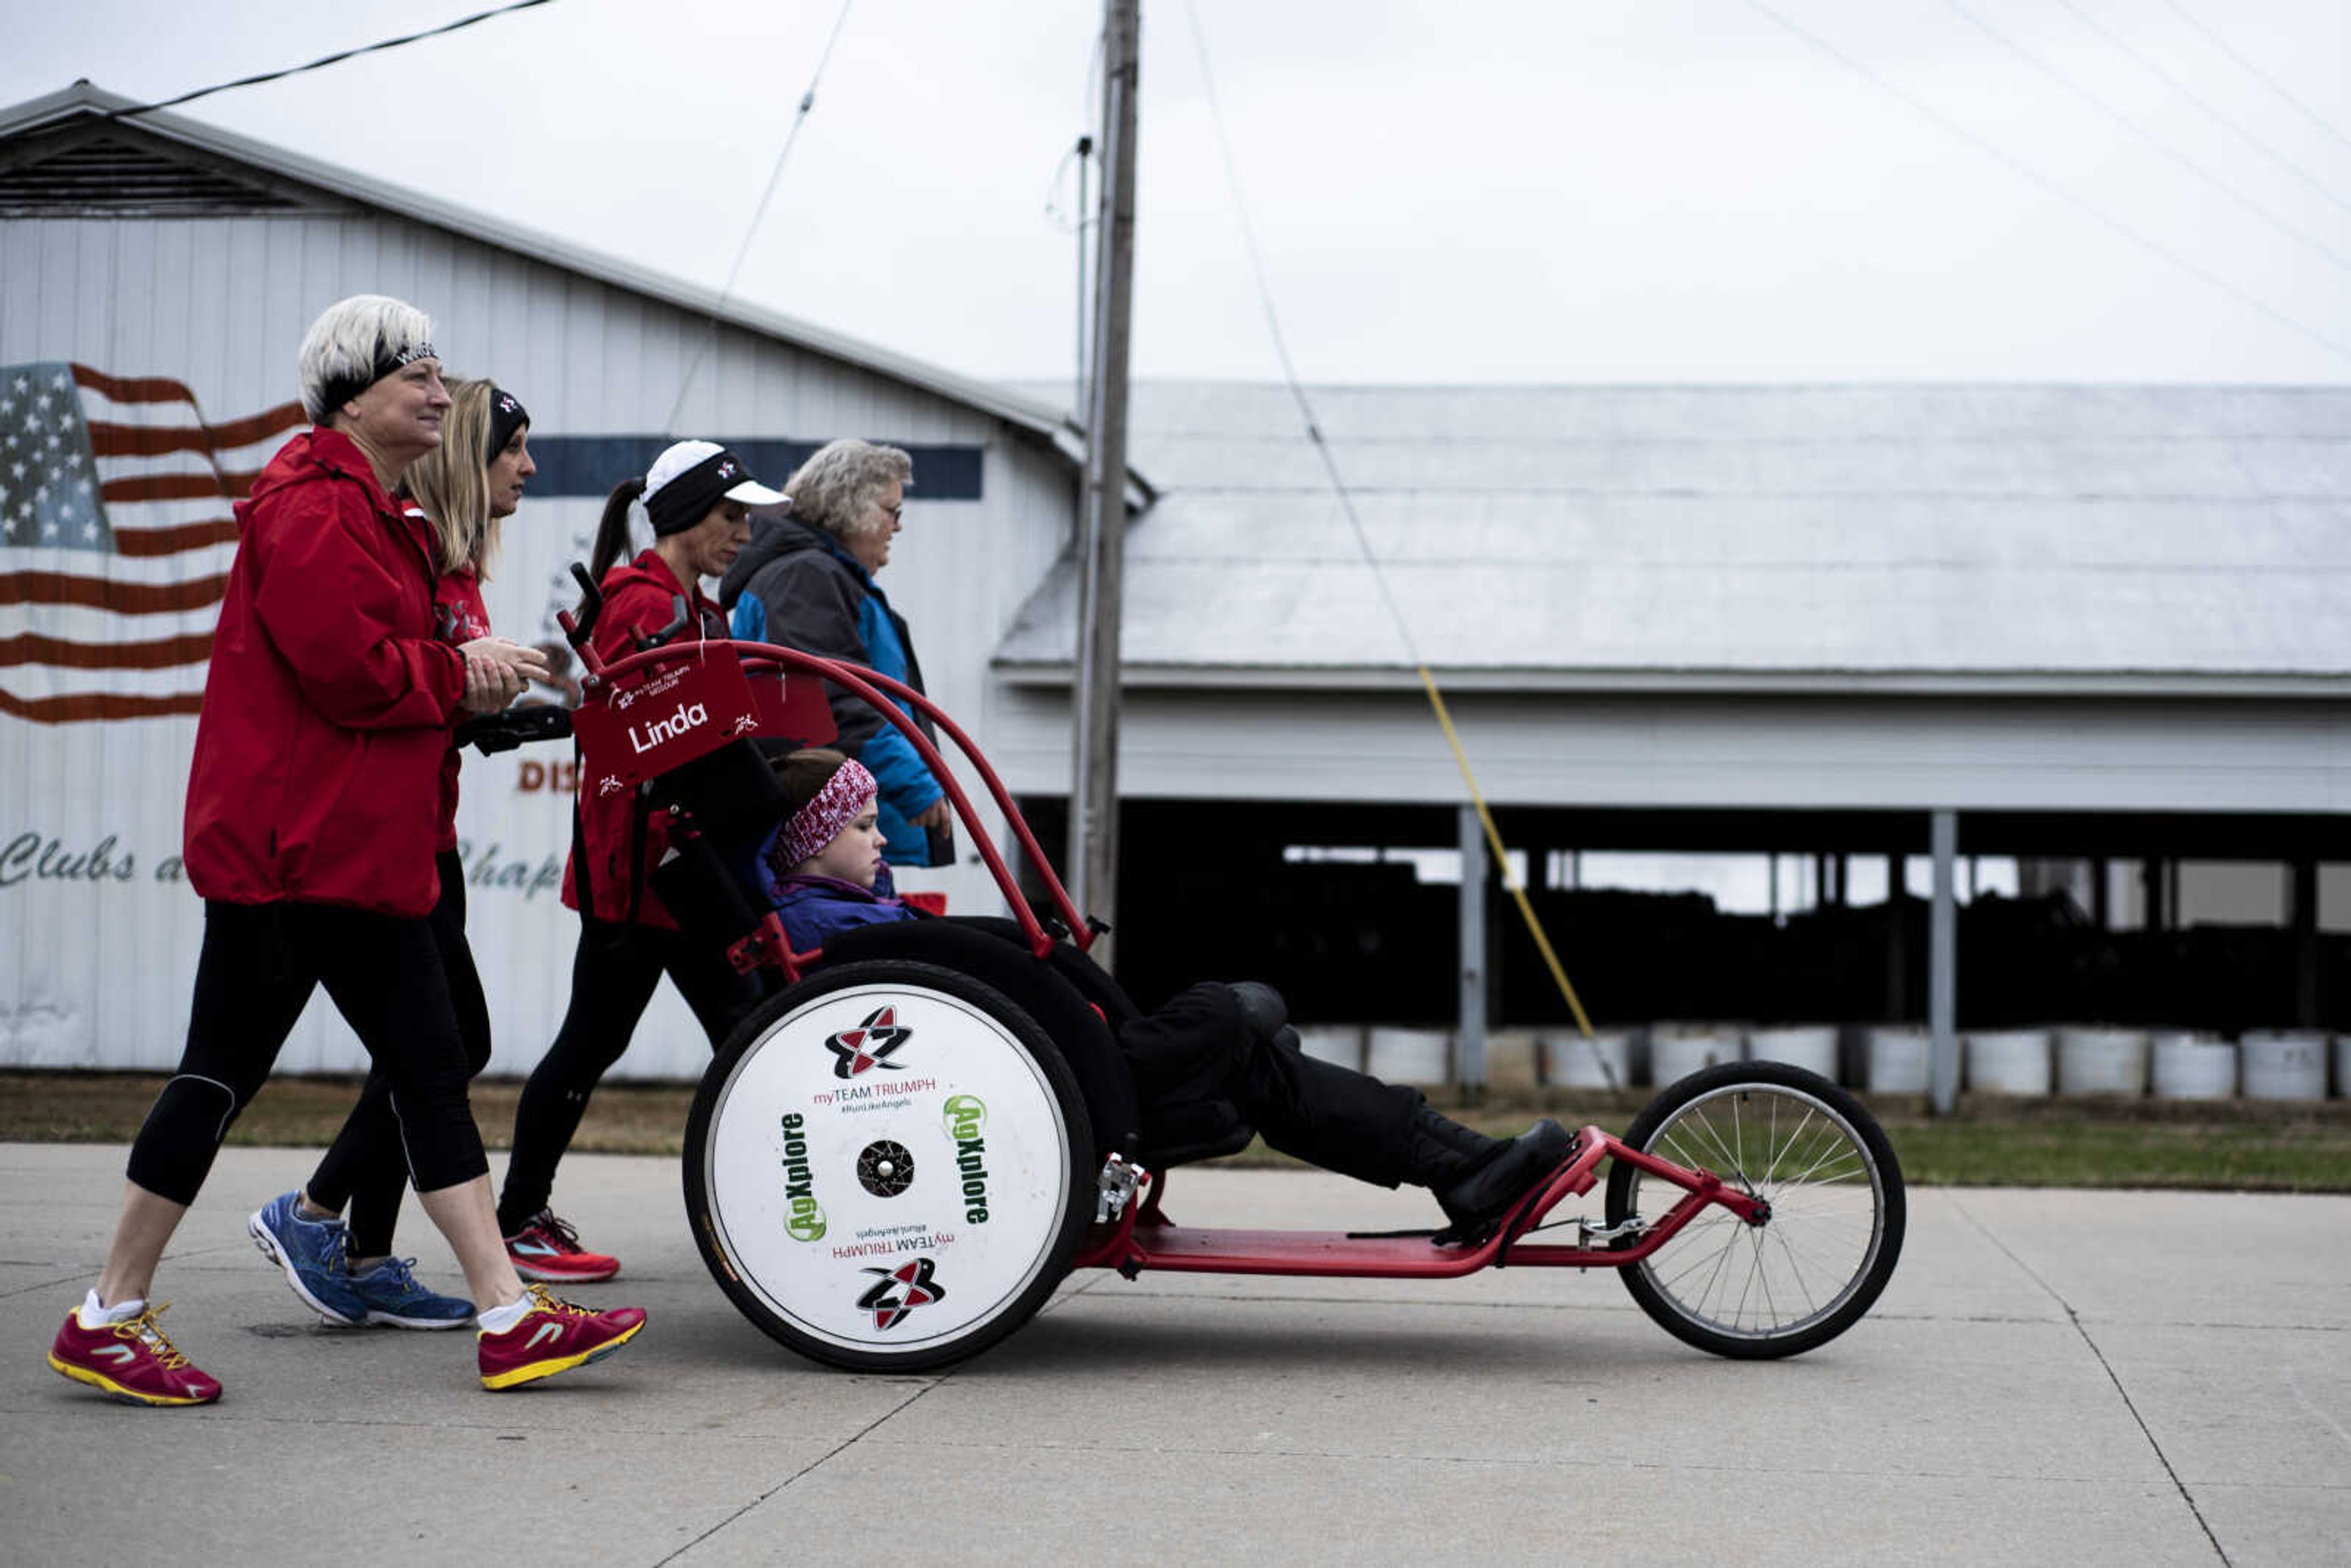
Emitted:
<point x="819" y="821"/>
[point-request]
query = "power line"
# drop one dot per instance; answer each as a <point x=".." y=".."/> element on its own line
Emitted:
<point x="2258" y="74"/>
<point x="2094" y="102"/>
<point x="1992" y="149"/>
<point x="1511" y="878"/>
<point x="759" y="213"/>
<point x="323" y="60"/>
<point x="2184" y="91"/>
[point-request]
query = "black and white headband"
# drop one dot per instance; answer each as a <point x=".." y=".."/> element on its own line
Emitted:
<point x="389" y="357"/>
<point x="506" y="416"/>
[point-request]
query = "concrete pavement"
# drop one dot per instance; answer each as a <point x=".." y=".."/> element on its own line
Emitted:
<point x="2052" y="1377"/>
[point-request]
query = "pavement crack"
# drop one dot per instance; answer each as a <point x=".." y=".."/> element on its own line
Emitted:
<point x="2294" y="1387"/>
<point x="2104" y="1366"/>
<point x="818" y="1463"/>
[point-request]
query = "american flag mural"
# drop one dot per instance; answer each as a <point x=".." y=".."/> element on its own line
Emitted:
<point x="115" y="538"/>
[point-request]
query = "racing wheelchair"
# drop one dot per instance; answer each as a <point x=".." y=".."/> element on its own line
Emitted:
<point x="896" y="1157"/>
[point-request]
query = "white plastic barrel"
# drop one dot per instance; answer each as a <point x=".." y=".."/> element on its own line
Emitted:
<point x="1897" y="1060"/>
<point x="1410" y="1055"/>
<point x="2006" y="1060"/>
<point x="2283" y="1064"/>
<point x="2193" y="1066"/>
<point x="1676" y="1051"/>
<point x="1511" y="1058"/>
<point x="1341" y="1044"/>
<point x="1812" y="1047"/>
<point x="2101" y="1060"/>
<point x="1604" y="1061"/>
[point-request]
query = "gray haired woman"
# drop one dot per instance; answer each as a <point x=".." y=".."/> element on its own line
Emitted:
<point x="806" y="581"/>
<point x="313" y="800"/>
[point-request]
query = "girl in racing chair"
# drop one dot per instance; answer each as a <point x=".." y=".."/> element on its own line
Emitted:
<point x="1210" y="1045"/>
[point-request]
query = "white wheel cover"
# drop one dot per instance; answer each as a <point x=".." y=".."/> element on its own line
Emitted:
<point x="887" y="1167"/>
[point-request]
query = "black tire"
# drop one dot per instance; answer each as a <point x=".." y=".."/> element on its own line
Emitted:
<point x="1835" y="1233"/>
<point x="793" y="1130"/>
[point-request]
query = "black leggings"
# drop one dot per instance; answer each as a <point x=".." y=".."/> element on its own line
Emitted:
<point x="1196" y="1056"/>
<point x="256" y="972"/>
<point x="362" y="1168"/>
<point x="613" y="977"/>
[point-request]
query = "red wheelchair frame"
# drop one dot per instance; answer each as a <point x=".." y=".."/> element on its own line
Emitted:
<point x="1138" y="1235"/>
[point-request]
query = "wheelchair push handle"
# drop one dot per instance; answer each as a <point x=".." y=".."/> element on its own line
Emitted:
<point x="492" y="733"/>
<point x="579" y="625"/>
<point x="681" y="617"/>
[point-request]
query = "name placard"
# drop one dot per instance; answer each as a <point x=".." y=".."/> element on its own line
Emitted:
<point x="681" y="711"/>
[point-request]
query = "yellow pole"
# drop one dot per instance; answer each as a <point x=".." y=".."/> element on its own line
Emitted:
<point x="1494" y="840"/>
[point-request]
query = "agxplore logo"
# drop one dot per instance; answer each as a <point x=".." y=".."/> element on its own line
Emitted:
<point x="806" y="1220"/>
<point x="870" y="1044"/>
<point x="966" y="1116"/>
<point x="898" y="1292"/>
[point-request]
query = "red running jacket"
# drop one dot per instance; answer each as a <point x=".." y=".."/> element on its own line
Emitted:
<point x="458" y="617"/>
<point x="328" y="702"/>
<point x="638" y="597"/>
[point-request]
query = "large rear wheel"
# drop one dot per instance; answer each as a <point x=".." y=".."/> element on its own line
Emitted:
<point x="886" y="1166"/>
<point x="1834" y="1227"/>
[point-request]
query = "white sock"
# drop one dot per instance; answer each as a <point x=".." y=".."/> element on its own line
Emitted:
<point x="497" y="1319"/>
<point x="94" y="1316"/>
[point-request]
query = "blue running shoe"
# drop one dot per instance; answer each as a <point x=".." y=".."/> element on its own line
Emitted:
<point x="392" y="1295"/>
<point x="311" y="1253"/>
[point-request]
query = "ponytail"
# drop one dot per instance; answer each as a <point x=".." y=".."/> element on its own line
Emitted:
<point x="613" y="532"/>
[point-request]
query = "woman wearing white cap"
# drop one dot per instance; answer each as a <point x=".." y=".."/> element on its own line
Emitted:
<point x="698" y="497"/>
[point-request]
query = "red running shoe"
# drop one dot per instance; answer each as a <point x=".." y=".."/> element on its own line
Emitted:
<point x="553" y="1336"/>
<point x="131" y="1360"/>
<point x="548" y="1249"/>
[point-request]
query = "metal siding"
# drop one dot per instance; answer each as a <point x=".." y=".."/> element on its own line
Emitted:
<point x="1857" y="753"/>
<point x="101" y="976"/>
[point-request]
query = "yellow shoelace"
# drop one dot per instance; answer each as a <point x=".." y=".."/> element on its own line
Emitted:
<point x="547" y="1303"/>
<point x="144" y="1327"/>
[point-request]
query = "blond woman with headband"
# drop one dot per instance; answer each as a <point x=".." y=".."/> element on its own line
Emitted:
<point x="464" y="489"/>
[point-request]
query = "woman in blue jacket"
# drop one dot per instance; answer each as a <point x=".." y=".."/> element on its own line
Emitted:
<point x="806" y="581"/>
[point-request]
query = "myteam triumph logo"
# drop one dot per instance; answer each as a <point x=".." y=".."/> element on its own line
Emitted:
<point x="805" y="1222"/>
<point x="898" y="1292"/>
<point x="869" y="1045"/>
<point x="966" y="1116"/>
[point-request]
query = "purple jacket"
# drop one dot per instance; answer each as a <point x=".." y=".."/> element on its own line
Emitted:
<point x="816" y="908"/>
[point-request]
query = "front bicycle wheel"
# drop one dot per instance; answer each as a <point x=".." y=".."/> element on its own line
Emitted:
<point x="1830" y="1238"/>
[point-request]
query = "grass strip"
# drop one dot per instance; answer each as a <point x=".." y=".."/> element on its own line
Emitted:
<point x="2229" y="1146"/>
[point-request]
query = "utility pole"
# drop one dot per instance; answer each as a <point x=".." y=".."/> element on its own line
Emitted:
<point x="1085" y="153"/>
<point x="1102" y="525"/>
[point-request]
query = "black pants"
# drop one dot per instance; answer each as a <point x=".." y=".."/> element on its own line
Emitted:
<point x="1196" y="1064"/>
<point x="362" y="1168"/>
<point x="256" y="970"/>
<point x="613" y="977"/>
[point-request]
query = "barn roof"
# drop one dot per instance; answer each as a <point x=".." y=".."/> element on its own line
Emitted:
<point x="1926" y="538"/>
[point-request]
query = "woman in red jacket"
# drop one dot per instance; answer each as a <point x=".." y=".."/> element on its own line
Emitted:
<point x="313" y="803"/>
<point x="464" y="488"/>
<point x="698" y="497"/>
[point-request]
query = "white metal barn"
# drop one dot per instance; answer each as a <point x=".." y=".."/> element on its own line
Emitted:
<point x="156" y="276"/>
<point x="2101" y="626"/>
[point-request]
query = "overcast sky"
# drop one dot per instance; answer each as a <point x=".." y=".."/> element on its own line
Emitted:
<point x="1528" y="191"/>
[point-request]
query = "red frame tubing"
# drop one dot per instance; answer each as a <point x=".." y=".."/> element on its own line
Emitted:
<point x="869" y="686"/>
<point x="1131" y="1245"/>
